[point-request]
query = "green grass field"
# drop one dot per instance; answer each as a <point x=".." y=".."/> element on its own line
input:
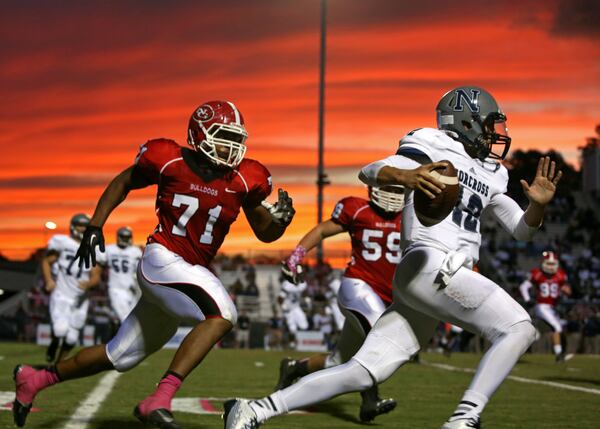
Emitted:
<point x="426" y="394"/>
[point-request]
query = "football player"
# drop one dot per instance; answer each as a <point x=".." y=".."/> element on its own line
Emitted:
<point x="548" y="281"/>
<point x="200" y="192"/>
<point x="434" y="279"/>
<point x="122" y="260"/>
<point x="366" y="287"/>
<point x="290" y="297"/>
<point x="68" y="298"/>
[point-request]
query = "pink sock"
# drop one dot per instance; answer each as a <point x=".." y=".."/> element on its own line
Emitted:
<point x="30" y="382"/>
<point x="162" y="396"/>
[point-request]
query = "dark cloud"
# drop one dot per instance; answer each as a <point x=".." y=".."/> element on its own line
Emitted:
<point x="52" y="182"/>
<point x="577" y="18"/>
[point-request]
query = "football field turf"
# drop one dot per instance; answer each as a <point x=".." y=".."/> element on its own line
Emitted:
<point x="541" y="394"/>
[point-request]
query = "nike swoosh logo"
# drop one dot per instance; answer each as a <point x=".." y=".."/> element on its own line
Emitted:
<point x="92" y="238"/>
<point x="230" y="191"/>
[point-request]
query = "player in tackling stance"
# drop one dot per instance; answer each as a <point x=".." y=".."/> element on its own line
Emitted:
<point x="434" y="279"/>
<point x="200" y="193"/>
<point x="366" y="288"/>
<point x="548" y="281"/>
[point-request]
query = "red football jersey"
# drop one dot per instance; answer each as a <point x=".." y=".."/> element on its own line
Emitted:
<point x="547" y="286"/>
<point x="194" y="215"/>
<point x="375" y="244"/>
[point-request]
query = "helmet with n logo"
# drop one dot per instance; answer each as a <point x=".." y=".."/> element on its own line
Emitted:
<point x="216" y="129"/>
<point x="474" y="117"/>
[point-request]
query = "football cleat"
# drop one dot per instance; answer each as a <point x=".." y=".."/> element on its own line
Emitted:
<point x="20" y="410"/>
<point x="468" y="423"/>
<point x="239" y="415"/>
<point x="287" y="373"/>
<point x="369" y="409"/>
<point x="161" y="418"/>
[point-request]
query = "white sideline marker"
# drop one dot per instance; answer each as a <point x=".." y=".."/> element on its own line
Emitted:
<point x="90" y="405"/>
<point x="519" y="379"/>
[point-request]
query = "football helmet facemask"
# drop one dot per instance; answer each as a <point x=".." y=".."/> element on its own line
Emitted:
<point x="549" y="262"/>
<point x="389" y="198"/>
<point x="124" y="237"/>
<point x="80" y="219"/>
<point x="216" y="129"/>
<point x="477" y="120"/>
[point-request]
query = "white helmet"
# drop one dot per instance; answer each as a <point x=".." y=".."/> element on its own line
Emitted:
<point x="389" y="198"/>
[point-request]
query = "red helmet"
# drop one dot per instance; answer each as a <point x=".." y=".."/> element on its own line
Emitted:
<point x="217" y="130"/>
<point x="549" y="262"/>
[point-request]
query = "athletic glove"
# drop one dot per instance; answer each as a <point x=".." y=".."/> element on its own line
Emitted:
<point x="283" y="210"/>
<point x="295" y="276"/>
<point x="86" y="253"/>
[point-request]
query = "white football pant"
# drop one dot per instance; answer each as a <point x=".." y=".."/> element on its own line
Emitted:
<point x="68" y="314"/>
<point x="173" y="292"/>
<point x="549" y="315"/>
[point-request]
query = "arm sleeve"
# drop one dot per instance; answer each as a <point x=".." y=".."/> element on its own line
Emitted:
<point x="508" y="213"/>
<point x="54" y="244"/>
<point x="152" y="157"/>
<point x="369" y="173"/>
<point x="524" y="288"/>
<point x="260" y="187"/>
<point x="343" y="212"/>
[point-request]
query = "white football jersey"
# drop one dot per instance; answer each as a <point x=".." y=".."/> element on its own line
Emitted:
<point x="480" y="182"/>
<point x="69" y="276"/>
<point x="122" y="265"/>
<point x="291" y="294"/>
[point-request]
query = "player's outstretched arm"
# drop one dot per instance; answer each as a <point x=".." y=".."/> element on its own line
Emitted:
<point x="541" y="191"/>
<point x="113" y="195"/>
<point x="269" y="221"/>
<point x="310" y="240"/>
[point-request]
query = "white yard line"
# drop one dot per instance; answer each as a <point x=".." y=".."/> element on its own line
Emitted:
<point x="88" y="407"/>
<point x="519" y="379"/>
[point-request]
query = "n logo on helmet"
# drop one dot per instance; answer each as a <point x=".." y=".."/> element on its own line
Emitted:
<point x="472" y="101"/>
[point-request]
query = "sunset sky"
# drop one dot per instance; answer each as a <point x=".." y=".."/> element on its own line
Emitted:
<point x="83" y="84"/>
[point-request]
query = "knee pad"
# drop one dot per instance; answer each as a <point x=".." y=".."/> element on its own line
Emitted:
<point x="124" y="360"/>
<point x="523" y="333"/>
<point x="60" y="329"/>
<point x="390" y="344"/>
<point x="72" y="337"/>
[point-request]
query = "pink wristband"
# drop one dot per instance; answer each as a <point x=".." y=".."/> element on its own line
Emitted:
<point x="296" y="258"/>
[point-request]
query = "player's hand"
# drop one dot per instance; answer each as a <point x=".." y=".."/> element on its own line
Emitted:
<point x="543" y="187"/>
<point x="292" y="274"/>
<point x="86" y="253"/>
<point x="420" y="178"/>
<point x="282" y="212"/>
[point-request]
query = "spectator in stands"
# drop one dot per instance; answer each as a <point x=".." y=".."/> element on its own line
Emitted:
<point x="243" y="330"/>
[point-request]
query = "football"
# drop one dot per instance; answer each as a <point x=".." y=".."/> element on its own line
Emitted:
<point x="432" y="211"/>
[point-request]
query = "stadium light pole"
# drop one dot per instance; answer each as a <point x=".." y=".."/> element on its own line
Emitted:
<point x="321" y="176"/>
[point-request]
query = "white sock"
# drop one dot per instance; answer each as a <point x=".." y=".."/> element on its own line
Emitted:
<point x="471" y="405"/>
<point x="269" y="406"/>
<point x="314" y="388"/>
<point x="557" y="349"/>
